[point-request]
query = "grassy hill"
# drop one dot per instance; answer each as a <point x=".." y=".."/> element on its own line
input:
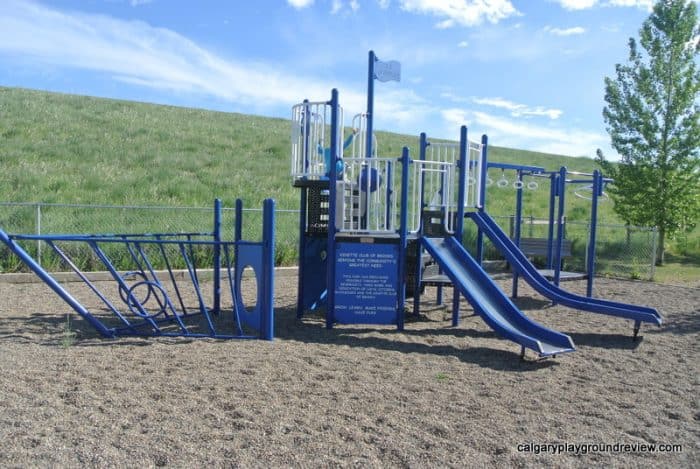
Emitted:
<point x="57" y="148"/>
<point x="75" y="149"/>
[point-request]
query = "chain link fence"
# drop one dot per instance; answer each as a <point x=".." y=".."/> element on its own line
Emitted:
<point x="621" y="251"/>
<point x="39" y="218"/>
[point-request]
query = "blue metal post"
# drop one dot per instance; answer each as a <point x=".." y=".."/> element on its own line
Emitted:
<point x="370" y="101"/>
<point x="482" y="197"/>
<point x="217" y="256"/>
<point x="237" y="230"/>
<point x="517" y="230"/>
<point x="419" y="249"/>
<point x="553" y="192"/>
<point x="307" y="136"/>
<point x="403" y="234"/>
<point x="389" y="193"/>
<point x="54" y="285"/>
<point x="267" y="310"/>
<point x="590" y="261"/>
<point x="238" y="225"/>
<point x="302" y="252"/>
<point x="560" y="225"/>
<point x="330" y="272"/>
<point x="459" y="223"/>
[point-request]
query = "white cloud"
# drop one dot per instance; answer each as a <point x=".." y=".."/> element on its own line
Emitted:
<point x="565" y="32"/>
<point x="643" y="4"/>
<point x="463" y="44"/>
<point x="453" y="97"/>
<point x="517" y="109"/>
<point x="577" y="4"/>
<point x="299" y="4"/>
<point x="383" y="4"/>
<point x="461" y="12"/>
<point x="518" y="134"/>
<point x="136" y="53"/>
<point x="135" y="3"/>
<point x="585" y="4"/>
<point x="338" y="5"/>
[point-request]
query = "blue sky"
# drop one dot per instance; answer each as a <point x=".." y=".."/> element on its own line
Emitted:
<point x="529" y="73"/>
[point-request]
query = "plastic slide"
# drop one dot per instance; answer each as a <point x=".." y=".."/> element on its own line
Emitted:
<point x="491" y="303"/>
<point x="520" y="262"/>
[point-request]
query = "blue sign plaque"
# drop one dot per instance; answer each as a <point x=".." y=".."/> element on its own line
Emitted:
<point x="366" y="283"/>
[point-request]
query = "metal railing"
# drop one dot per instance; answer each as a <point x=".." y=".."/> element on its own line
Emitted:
<point x="311" y="139"/>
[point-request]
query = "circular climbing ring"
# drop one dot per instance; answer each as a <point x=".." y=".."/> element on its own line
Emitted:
<point x="502" y="183"/>
<point x="532" y="185"/>
<point x="138" y="308"/>
<point x="123" y="292"/>
<point x="489" y="182"/>
<point x="471" y="181"/>
<point x="518" y="184"/>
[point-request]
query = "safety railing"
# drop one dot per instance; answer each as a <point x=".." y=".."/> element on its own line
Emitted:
<point x="311" y="139"/>
<point x="359" y="143"/>
<point x="367" y="197"/>
<point x="434" y="188"/>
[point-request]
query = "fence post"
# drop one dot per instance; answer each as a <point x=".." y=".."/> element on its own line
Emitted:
<point x="38" y="232"/>
<point x="654" y="245"/>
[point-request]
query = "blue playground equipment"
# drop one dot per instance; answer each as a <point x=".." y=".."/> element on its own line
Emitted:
<point x="554" y="247"/>
<point x="361" y="247"/>
<point x="143" y="301"/>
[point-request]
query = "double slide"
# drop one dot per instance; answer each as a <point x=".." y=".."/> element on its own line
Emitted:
<point x="520" y="262"/>
<point x="490" y="302"/>
<point x="499" y="312"/>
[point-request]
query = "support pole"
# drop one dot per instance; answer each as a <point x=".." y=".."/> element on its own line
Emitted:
<point x="267" y="309"/>
<point x="482" y="197"/>
<point x="370" y="102"/>
<point x="560" y="225"/>
<point x="330" y="271"/>
<point x="590" y="260"/>
<point x="403" y="233"/>
<point x="307" y="136"/>
<point x="517" y="226"/>
<point x="553" y="185"/>
<point x="419" y="247"/>
<point x="217" y="256"/>
<point x="302" y="251"/>
<point x="459" y="225"/>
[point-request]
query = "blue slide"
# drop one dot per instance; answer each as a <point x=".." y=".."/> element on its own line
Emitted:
<point x="520" y="262"/>
<point x="490" y="302"/>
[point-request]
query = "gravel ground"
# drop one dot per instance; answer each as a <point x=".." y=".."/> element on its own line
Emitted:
<point x="432" y="395"/>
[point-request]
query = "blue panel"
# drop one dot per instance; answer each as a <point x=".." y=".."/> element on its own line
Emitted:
<point x="366" y="283"/>
<point x="250" y="255"/>
<point x="315" y="264"/>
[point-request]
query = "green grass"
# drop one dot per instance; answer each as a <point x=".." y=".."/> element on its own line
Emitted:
<point x="58" y="148"/>
<point x="76" y="149"/>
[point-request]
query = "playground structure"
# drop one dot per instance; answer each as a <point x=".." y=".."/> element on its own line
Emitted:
<point x="366" y="220"/>
<point x="366" y="225"/>
<point x="555" y="246"/>
<point x="143" y="301"/>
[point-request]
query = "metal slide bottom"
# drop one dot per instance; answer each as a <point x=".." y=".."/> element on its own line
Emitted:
<point x="491" y="303"/>
<point x="528" y="271"/>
